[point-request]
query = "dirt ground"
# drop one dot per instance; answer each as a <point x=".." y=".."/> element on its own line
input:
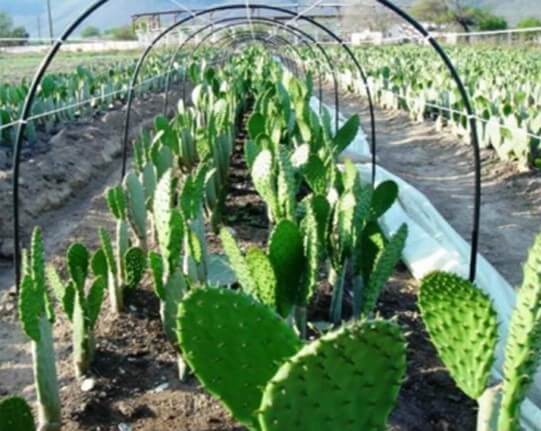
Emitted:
<point x="440" y="165"/>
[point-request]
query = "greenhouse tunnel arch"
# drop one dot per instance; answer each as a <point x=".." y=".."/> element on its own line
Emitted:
<point x="42" y="69"/>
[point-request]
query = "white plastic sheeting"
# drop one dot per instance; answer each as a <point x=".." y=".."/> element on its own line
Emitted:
<point x="434" y="245"/>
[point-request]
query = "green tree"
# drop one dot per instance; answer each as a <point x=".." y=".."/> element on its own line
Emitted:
<point x="487" y="21"/>
<point x="445" y="12"/>
<point x="90" y="32"/>
<point x="529" y="22"/>
<point x="122" y="33"/>
<point x="8" y="31"/>
<point x="6" y="25"/>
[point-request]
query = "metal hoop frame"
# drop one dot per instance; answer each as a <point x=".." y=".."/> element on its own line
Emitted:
<point x="250" y="7"/>
<point x="42" y="69"/>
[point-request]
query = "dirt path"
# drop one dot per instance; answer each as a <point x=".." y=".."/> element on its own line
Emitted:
<point x="440" y="165"/>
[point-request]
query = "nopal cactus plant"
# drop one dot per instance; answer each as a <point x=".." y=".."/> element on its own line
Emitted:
<point x="81" y="300"/>
<point x="37" y="316"/>
<point x="125" y="266"/>
<point x="274" y="179"/>
<point x="169" y="280"/>
<point x="523" y="349"/>
<point x="348" y="380"/>
<point x="15" y="415"/>
<point x="195" y="260"/>
<point x="277" y="277"/>
<point x="463" y="326"/>
<point x="235" y="349"/>
<point x="350" y="243"/>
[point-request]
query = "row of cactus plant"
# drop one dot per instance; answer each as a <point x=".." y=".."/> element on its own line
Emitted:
<point x="290" y="148"/>
<point x="163" y="201"/>
<point x="463" y="326"/>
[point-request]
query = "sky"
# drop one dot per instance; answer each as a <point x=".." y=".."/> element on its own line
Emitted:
<point x="114" y="13"/>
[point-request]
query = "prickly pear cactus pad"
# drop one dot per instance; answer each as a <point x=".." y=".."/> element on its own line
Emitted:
<point x="463" y="326"/>
<point x="348" y="380"/>
<point x="234" y="345"/>
<point x="523" y="350"/>
<point x="15" y="415"/>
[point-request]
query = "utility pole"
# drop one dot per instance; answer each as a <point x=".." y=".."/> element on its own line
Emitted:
<point x="51" y="31"/>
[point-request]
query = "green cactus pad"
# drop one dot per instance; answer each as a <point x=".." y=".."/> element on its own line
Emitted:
<point x="94" y="301"/>
<point x="264" y="180"/>
<point x="107" y="247"/>
<point x="348" y="380"/>
<point x="78" y="260"/>
<point x="157" y="269"/>
<point x="31" y="304"/>
<point x="383" y="198"/>
<point x="286" y="253"/>
<point x="463" y="326"/>
<point x="98" y="263"/>
<point x="383" y="268"/>
<point x="65" y="294"/>
<point x="345" y="136"/>
<point x="37" y="261"/>
<point x="15" y="415"/>
<point x="256" y="125"/>
<point x="135" y="263"/>
<point x="136" y="204"/>
<point x="263" y="274"/>
<point x="523" y="349"/>
<point x="169" y="223"/>
<point x="237" y="261"/>
<point x="315" y="174"/>
<point x="235" y="345"/>
<point x="116" y="201"/>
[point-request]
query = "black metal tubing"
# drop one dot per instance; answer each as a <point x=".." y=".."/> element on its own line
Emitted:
<point x="305" y="37"/>
<point x="38" y="77"/>
<point x="251" y="7"/>
<point x="473" y="128"/>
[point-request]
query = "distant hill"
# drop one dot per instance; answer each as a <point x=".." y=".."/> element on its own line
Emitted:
<point x="512" y="10"/>
<point x="118" y="12"/>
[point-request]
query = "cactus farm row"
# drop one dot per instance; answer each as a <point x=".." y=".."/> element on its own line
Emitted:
<point x="272" y="314"/>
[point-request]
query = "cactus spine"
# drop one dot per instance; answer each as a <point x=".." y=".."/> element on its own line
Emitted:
<point x="81" y="307"/>
<point x="37" y="317"/>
